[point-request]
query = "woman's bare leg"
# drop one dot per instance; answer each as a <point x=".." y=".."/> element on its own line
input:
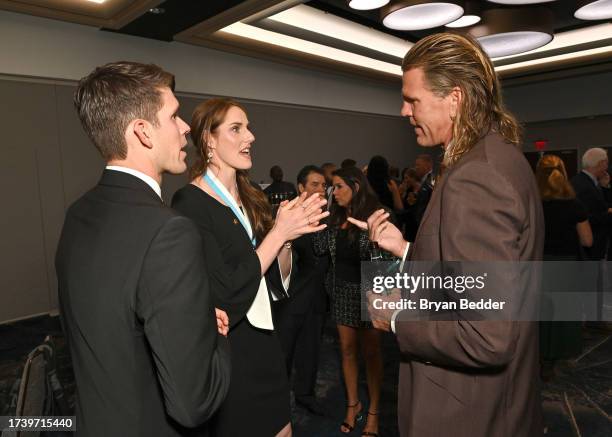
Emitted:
<point x="372" y="353"/>
<point x="350" y="370"/>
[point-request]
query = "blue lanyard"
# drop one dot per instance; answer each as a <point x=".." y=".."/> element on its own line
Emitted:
<point x="231" y="203"/>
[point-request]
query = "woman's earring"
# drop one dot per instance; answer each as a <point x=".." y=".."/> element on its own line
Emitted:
<point x="208" y="157"/>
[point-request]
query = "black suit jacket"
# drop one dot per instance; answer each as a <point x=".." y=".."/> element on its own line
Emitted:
<point x="281" y="187"/>
<point x="593" y="198"/>
<point x="136" y="310"/>
<point x="307" y="287"/>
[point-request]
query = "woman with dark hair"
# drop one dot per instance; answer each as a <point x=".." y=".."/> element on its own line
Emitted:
<point x="348" y="246"/>
<point x="385" y="188"/>
<point x="241" y="243"/>
<point x="567" y="230"/>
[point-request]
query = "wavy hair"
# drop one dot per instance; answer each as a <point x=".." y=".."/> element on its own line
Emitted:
<point x="552" y="179"/>
<point x="207" y="117"/>
<point x="363" y="203"/>
<point x="450" y="60"/>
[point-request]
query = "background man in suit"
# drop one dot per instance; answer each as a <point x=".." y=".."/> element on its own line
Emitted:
<point x="134" y="293"/>
<point x="285" y="190"/>
<point x="588" y="191"/>
<point x="461" y="377"/>
<point x="328" y="168"/>
<point x="301" y="317"/>
<point x="423" y="165"/>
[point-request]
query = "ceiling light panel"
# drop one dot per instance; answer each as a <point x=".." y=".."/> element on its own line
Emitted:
<point x="520" y="2"/>
<point x="511" y="43"/>
<point x="465" y="21"/>
<point x="278" y="39"/>
<point x="510" y="31"/>
<point x="594" y="10"/>
<point x="573" y="37"/>
<point x="583" y="54"/>
<point x="314" y="20"/>
<point x="366" y="5"/>
<point x="419" y="15"/>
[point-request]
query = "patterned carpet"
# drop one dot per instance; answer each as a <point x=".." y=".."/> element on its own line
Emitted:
<point x="578" y="402"/>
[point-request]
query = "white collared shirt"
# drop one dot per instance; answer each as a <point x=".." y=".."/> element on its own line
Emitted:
<point x="401" y="269"/>
<point x="140" y="175"/>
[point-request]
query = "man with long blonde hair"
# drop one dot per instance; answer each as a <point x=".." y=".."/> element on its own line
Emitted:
<point x="459" y="376"/>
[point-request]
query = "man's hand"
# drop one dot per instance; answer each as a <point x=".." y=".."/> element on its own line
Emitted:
<point x="383" y="232"/>
<point x="222" y="322"/>
<point x="380" y="313"/>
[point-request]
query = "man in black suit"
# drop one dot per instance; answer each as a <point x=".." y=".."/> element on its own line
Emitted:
<point x="588" y="191"/>
<point x="423" y="166"/>
<point x="300" y="318"/>
<point x="284" y="190"/>
<point x="134" y="292"/>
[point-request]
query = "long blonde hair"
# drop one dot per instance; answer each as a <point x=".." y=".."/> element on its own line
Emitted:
<point x="206" y="118"/>
<point x="450" y="60"/>
<point x="552" y="179"/>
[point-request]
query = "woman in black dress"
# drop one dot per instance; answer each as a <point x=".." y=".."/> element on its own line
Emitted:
<point x="567" y="231"/>
<point x="348" y="246"/>
<point x="241" y="243"/>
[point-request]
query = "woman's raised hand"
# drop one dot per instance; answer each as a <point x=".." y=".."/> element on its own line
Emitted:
<point x="300" y="216"/>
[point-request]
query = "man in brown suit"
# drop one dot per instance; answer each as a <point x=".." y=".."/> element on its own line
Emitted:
<point x="464" y="378"/>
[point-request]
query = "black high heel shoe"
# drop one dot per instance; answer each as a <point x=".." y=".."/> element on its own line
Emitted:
<point x="368" y="433"/>
<point x="357" y="418"/>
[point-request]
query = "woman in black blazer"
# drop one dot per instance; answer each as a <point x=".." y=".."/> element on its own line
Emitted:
<point x="241" y="243"/>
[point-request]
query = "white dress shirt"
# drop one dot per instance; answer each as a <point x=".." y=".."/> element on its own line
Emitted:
<point x="401" y="268"/>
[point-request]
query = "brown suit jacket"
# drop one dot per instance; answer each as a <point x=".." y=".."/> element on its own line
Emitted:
<point x="465" y="378"/>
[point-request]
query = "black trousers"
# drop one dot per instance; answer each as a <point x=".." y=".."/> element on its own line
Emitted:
<point x="300" y="337"/>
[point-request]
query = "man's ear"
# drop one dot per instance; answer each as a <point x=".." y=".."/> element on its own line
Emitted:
<point x="300" y="188"/>
<point x="142" y="130"/>
<point x="456" y="96"/>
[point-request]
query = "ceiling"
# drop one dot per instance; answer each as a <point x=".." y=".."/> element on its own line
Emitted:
<point x="321" y="34"/>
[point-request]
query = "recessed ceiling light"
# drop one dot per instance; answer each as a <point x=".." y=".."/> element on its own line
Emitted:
<point x="510" y="31"/>
<point x="520" y="2"/>
<point x="465" y="21"/>
<point x="565" y="40"/>
<point x="594" y="10"/>
<point x="419" y="14"/>
<point x="512" y="43"/>
<point x="157" y="11"/>
<point x="97" y="1"/>
<point x="366" y="5"/>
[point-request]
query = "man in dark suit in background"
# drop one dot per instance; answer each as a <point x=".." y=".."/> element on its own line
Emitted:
<point x="423" y="165"/>
<point x="300" y="318"/>
<point x="284" y="190"/>
<point x="328" y="169"/>
<point x="588" y="191"/>
<point x="459" y="376"/>
<point x="135" y="302"/>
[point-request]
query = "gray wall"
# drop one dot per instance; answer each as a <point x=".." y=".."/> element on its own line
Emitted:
<point x="48" y="162"/>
